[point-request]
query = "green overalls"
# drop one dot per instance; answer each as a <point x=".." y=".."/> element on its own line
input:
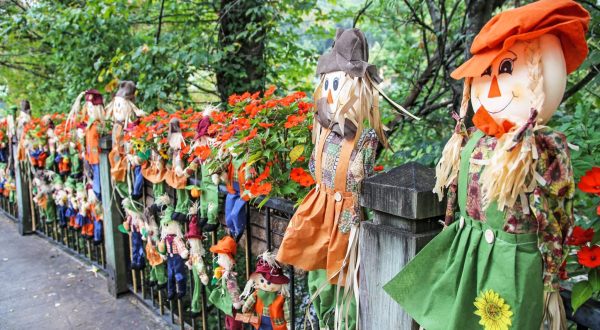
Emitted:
<point x="439" y="287"/>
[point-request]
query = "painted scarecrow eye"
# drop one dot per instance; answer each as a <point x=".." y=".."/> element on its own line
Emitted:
<point x="336" y="82"/>
<point x="268" y="283"/>
<point x="262" y="280"/>
<point x="506" y="66"/>
<point x="326" y="84"/>
<point x="487" y="72"/>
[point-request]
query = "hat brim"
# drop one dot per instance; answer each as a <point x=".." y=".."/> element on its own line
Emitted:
<point x="475" y="66"/>
<point x="279" y="279"/>
<point x="193" y="236"/>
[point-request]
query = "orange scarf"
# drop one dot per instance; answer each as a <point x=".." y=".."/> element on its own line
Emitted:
<point x="486" y="123"/>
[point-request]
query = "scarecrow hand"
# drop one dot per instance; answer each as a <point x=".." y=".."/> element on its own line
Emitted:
<point x="237" y="305"/>
<point x="184" y="254"/>
<point x="204" y="278"/>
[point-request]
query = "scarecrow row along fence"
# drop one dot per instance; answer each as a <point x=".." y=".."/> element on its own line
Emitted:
<point x="406" y="217"/>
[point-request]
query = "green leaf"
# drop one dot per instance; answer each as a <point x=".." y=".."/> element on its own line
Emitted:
<point x="582" y="291"/>
<point x="296" y="153"/>
<point x="594" y="278"/>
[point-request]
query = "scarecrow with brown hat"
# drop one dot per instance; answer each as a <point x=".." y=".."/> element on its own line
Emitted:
<point x="175" y="175"/>
<point x="226" y="293"/>
<point x="511" y="176"/>
<point x="322" y="236"/>
<point x="269" y="298"/>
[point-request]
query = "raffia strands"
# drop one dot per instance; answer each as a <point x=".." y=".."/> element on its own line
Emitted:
<point x="446" y="170"/>
<point x="75" y="108"/>
<point x="554" y="312"/>
<point x="512" y="165"/>
<point x="193" y="208"/>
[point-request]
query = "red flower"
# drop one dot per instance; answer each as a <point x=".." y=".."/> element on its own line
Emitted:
<point x="251" y="135"/>
<point x="589" y="256"/>
<point x="303" y="107"/>
<point x="266" y="125"/>
<point x="261" y="189"/>
<point x="270" y="91"/>
<point x="580" y="236"/>
<point x="303" y="178"/>
<point x="378" y="168"/>
<point x="590" y="182"/>
<point x="202" y="152"/>
<point x="293" y="121"/>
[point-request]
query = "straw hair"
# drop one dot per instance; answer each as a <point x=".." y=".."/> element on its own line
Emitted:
<point x="510" y="173"/>
<point x="446" y="170"/>
<point x="365" y="107"/>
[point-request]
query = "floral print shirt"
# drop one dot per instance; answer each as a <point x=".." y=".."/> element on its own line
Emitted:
<point x="550" y="205"/>
<point x="362" y="162"/>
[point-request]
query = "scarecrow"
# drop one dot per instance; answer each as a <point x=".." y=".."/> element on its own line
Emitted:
<point x="95" y="213"/>
<point x="158" y="272"/>
<point x="196" y="260"/>
<point x="133" y="225"/>
<point x="269" y="298"/>
<point x="226" y="293"/>
<point x="94" y="111"/>
<point x="23" y="118"/>
<point x="511" y="176"/>
<point x="322" y="236"/>
<point x="122" y="111"/>
<point x="209" y="191"/>
<point x="175" y="176"/>
<point x="173" y="249"/>
<point x="236" y="199"/>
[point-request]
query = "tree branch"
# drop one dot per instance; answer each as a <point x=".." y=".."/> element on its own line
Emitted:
<point x="594" y="71"/>
<point x="361" y="11"/>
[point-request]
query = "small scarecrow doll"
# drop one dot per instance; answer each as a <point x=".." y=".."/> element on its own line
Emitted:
<point x="60" y="197"/>
<point x="23" y="118"/>
<point x="269" y="298"/>
<point x="173" y="249"/>
<point x="322" y="236"/>
<point x="44" y="200"/>
<point x="95" y="213"/>
<point x="209" y="191"/>
<point x="133" y="225"/>
<point x="158" y="270"/>
<point x="176" y="176"/>
<point x="498" y="264"/>
<point x="122" y="111"/>
<point x="94" y="111"/>
<point x="225" y="294"/>
<point x="195" y="262"/>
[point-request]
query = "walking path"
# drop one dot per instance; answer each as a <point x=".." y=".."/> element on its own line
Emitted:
<point x="43" y="287"/>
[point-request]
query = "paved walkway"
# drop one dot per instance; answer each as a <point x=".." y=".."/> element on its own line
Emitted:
<point x="42" y="287"/>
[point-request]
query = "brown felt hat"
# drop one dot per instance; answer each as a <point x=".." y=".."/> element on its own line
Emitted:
<point x="93" y="96"/>
<point x="25" y="107"/>
<point x="127" y="90"/>
<point x="350" y="54"/>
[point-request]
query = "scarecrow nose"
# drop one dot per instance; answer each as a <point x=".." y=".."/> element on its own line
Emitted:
<point x="494" y="89"/>
<point x="329" y="97"/>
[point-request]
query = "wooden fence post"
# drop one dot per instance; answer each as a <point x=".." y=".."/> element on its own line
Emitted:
<point x="114" y="241"/>
<point x="25" y="224"/>
<point x="406" y="215"/>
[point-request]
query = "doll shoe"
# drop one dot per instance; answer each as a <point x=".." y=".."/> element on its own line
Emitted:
<point x="209" y="227"/>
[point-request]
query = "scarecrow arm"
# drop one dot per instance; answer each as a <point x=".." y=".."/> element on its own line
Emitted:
<point x="250" y="303"/>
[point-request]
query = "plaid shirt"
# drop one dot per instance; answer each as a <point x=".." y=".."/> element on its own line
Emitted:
<point x="174" y="245"/>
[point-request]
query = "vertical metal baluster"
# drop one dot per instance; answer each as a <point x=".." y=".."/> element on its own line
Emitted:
<point x="293" y="297"/>
<point x="171" y="310"/>
<point x="248" y="242"/>
<point x="180" y="314"/>
<point x="268" y="226"/>
<point x="204" y="307"/>
<point x="133" y="272"/>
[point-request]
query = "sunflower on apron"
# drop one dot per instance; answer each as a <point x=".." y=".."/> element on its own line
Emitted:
<point x="496" y="263"/>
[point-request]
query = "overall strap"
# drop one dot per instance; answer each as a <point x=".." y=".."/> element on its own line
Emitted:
<point x="463" y="172"/>
<point x="319" y="154"/>
<point x="341" y="171"/>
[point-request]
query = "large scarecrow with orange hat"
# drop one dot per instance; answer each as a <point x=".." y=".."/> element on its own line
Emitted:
<point x="510" y="175"/>
<point x="322" y="236"/>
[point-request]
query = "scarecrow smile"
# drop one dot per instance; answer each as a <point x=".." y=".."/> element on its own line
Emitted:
<point x="501" y="109"/>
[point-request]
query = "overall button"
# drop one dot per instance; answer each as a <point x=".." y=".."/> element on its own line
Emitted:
<point x="461" y="223"/>
<point x="317" y="187"/>
<point x="338" y="197"/>
<point x="489" y="236"/>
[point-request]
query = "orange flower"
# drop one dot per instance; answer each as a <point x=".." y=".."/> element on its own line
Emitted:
<point x="261" y="189"/>
<point x="202" y="152"/>
<point x="251" y="135"/>
<point x="378" y="168"/>
<point x="589" y="256"/>
<point x="270" y="91"/>
<point x="590" y="182"/>
<point x="266" y="125"/>
<point x="303" y="178"/>
<point x="293" y="120"/>
<point x="304" y="107"/>
<point x="580" y="236"/>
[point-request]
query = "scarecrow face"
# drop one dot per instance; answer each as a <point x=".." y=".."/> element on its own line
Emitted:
<point x="225" y="261"/>
<point x="503" y="89"/>
<point x="260" y="282"/>
<point x="335" y="93"/>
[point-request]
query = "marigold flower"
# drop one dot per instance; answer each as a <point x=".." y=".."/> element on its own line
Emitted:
<point x="202" y="152"/>
<point x="589" y="256"/>
<point x="580" y="236"/>
<point x="266" y="125"/>
<point x="590" y="182"/>
<point x="300" y="176"/>
<point x="250" y="136"/>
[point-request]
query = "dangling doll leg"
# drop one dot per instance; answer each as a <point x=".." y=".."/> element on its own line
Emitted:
<point x="170" y="277"/>
<point x="209" y="206"/>
<point x="180" y="276"/>
<point x="160" y="273"/>
<point x="138" y="182"/>
<point x="325" y="302"/>
<point x="96" y="181"/>
<point x="182" y="206"/>
<point x="98" y="231"/>
<point x="137" y="248"/>
<point x="195" y="305"/>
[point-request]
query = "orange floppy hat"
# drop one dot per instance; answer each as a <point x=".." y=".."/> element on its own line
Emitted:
<point x="225" y="245"/>
<point x="565" y="19"/>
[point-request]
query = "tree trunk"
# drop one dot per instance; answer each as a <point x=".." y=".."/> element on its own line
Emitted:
<point x="242" y="34"/>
